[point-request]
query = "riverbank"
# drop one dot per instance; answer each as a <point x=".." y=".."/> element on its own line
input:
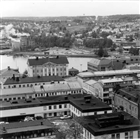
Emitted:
<point x="70" y="53"/>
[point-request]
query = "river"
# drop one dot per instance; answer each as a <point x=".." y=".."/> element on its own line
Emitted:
<point x="21" y="62"/>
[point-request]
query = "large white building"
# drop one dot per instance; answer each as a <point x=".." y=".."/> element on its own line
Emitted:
<point x="48" y="66"/>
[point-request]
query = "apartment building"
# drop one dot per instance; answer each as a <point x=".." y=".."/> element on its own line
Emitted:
<point x="40" y="91"/>
<point x="103" y="88"/>
<point x="128" y="100"/>
<point x="20" y="82"/>
<point x="48" y="66"/>
<point x="73" y="104"/>
<point x="118" y="125"/>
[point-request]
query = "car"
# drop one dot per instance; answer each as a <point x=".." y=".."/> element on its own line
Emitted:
<point x="28" y="118"/>
<point x="65" y="117"/>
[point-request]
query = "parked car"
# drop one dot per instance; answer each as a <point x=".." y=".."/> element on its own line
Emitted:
<point x="65" y="117"/>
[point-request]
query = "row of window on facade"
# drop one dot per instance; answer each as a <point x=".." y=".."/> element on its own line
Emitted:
<point x="28" y="85"/>
<point x="128" y="106"/>
<point x="40" y="95"/>
<point x="31" y="134"/>
<point x="49" y="70"/>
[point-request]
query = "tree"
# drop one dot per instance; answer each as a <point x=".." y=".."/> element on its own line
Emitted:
<point x="74" y="130"/>
<point x="102" y="52"/>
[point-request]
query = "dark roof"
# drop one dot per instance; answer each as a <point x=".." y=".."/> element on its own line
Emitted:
<point x="51" y="100"/>
<point x="26" y="126"/>
<point x="131" y="93"/>
<point x="41" y="61"/>
<point x="109" y="123"/>
<point x="89" y="106"/>
<point x="74" y="99"/>
<point x="33" y="79"/>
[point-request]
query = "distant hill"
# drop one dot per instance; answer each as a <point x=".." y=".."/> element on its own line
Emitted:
<point x="61" y="18"/>
<point x="128" y="17"/>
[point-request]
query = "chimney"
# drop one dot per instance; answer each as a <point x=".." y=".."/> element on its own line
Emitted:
<point x="4" y="130"/>
<point x="8" y="68"/>
<point x="13" y="77"/>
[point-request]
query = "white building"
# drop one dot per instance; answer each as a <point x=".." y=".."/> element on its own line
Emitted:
<point x="48" y="66"/>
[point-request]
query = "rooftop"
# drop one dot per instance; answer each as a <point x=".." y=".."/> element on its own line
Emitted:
<point x="9" y="72"/>
<point x="46" y="88"/>
<point x="59" y="99"/>
<point x="25" y="126"/>
<point x="89" y="103"/>
<point x="109" y="123"/>
<point x="42" y="61"/>
<point x="131" y="93"/>
<point x="78" y="100"/>
<point x="37" y="79"/>
<point x="107" y="73"/>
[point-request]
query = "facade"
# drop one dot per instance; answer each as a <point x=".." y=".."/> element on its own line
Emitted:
<point x="103" y="88"/>
<point x="128" y="100"/>
<point x="20" y="82"/>
<point x="54" y="106"/>
<point x="118" y="125"/>
<point x="54" y="89"/>
<point x="48" y="66"/>
<point x="37" y="129"/>
<point x="106" y="64"/>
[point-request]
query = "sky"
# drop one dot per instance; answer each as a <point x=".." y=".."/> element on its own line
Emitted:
<point x="67" y="8"/>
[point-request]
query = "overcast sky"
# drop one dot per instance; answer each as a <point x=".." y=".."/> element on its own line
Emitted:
<point x="68" y="8"/>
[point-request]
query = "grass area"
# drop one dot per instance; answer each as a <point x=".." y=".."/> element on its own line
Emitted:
<point x="71" y="29"/>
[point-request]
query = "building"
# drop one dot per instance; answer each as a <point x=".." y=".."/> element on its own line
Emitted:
<point x="48" y="66"/>
<point x="103" y="88"/>
<point x="8" y="73"/>
<point x="53" y="106"/>
<point x="107" y="74"/>
<point x="20" y="82"/>
<point x="73" y="72"/>
<point x="106" y="64"/>
<point x="28" y="129"/>
<point x="118" y="125"/>
<point x="53" y="89"/>
<point x="128" y="100"/>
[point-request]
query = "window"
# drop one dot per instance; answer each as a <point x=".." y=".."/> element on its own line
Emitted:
<point x="113" y="136"/>
<point x="139" y="134"/>
<point x="126" y="135"/>
<point x="19" y="85"/>
<point x="50" y="114"/>
<point x="50" y="107"/>
<point x="65" y="105"/>
<point x="118" y="136"/>
<point x="60" y="106"/>
<point x="54" y="106"/>
<point x="23" y="85"/>
<point x="9" y="86"/>
<point x="33" y="71"/>
<point x="131" y="134"/>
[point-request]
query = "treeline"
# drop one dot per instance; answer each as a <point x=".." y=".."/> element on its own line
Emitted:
<point x="95" y="43"/>
<point x="53" y="41"/>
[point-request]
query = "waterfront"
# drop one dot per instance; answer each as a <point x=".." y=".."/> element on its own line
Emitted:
<point x="21" y="62"/>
